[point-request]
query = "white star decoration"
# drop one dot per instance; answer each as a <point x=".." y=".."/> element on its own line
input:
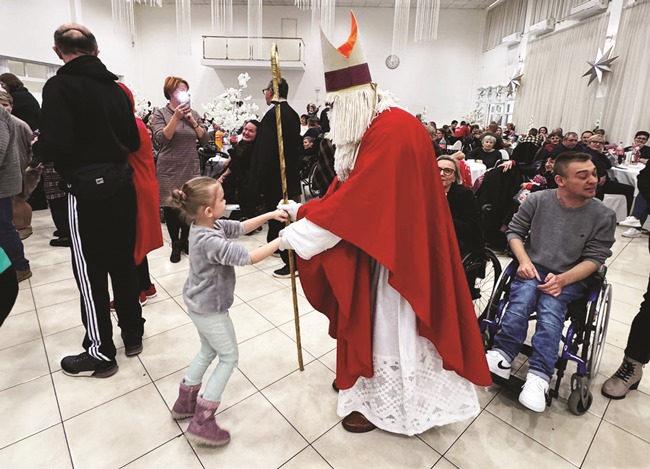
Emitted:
<point x="600" y="66"/>
<point x="515" y="82"/>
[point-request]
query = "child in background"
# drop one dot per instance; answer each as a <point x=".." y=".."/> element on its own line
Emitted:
<point x="208" y="293"/>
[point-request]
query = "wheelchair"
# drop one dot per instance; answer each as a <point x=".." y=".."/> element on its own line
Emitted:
<point x="582" y="342"/>
<point x="306" y="174"/>
<point x="482" y="273"/>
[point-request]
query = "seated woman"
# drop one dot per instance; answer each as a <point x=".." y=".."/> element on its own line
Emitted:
<point x="235" y="178"/>
<point x="464" y="212"/>
<point x="605" y="184"/>
<point x="486" y="154"/>
<point x="308" y="155"/>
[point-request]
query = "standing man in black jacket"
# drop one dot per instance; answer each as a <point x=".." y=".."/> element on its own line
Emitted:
<point x="87" y="130"/>
<point x="265" y="161"/>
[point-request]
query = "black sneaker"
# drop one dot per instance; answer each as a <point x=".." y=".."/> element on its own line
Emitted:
<point x="60" y="242"/>
<point x="87" y="366"/>
<point x="284" y="272"/>
<point x="132" y="347"/>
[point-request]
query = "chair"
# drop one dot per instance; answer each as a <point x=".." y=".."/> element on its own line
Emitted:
<point x="584" y="338"/>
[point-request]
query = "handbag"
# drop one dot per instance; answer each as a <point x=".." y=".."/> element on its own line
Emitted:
<point x="97" y="181"/>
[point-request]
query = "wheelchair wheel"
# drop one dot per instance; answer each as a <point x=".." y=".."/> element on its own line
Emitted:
<point x="312" y="187"/>
<point x="576" y="406"/>
<point x="490" y="318"/>
<point x="485" y="272"/>
<point x="598" y="321"/>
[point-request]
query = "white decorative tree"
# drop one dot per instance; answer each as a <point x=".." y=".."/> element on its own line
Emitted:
<point x="229" y="110"/>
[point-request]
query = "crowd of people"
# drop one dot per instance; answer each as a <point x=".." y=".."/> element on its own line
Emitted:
<point x="409" y="350"/>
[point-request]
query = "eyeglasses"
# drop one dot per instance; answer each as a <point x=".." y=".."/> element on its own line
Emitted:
<point x="447" y="171"/>
<point x="643" y="139"/>
<point x="596" y="143"/>
<point x="265" y="90"/>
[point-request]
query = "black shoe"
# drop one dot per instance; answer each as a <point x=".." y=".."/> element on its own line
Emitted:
<point x="185" y="247"/>
<point x="176" y="252"/>
<point x="284" y="272"/>
<point x="133" y="350"/>
<point x="56" y="234"/>
<point x="87" y="366"/>
<point x="132" y="345"/>
<point x="60" y="242"/>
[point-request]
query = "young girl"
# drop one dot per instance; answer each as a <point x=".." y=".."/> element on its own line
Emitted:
<point x="208" y="293"/>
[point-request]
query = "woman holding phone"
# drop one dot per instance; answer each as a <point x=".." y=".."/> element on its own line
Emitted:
<point x="176" y="128"/>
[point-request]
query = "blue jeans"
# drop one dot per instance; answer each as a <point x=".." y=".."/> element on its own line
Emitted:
<point x="526" y="298"/>
<point x="9" y="237"/>
<point x="640" y="210"/>
<point x="217" y="335"/>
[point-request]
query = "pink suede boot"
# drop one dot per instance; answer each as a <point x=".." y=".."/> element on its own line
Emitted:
<point x="186" y="402"/>
<point x="203" y="428"/>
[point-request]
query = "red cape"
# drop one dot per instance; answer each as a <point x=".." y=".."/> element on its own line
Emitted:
<point x="393" y="208"/>
<point x="148" y="234"/>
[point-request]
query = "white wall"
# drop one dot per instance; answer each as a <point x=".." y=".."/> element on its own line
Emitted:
<point x="28" y="27"/>
<point x="495" y="67"/>
<point x="441" y="75"/>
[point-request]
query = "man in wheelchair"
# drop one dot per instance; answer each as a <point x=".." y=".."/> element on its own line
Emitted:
<point x="559" y="237"/>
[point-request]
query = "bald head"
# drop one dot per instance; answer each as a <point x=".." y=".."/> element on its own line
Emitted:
<point x="74" y="39"/>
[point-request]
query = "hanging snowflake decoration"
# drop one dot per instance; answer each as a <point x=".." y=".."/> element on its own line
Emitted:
<point x="229" y="109"/>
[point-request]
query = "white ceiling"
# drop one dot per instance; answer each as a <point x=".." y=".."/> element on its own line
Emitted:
<point x="466" y="4"/>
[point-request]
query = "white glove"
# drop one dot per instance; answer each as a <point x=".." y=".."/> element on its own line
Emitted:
<point x="284" y="245"/>
<point x="290" y="207"/>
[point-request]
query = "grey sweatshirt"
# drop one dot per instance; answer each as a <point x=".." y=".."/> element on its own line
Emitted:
<point x="560" y="237"/>
<point x="210" y="286"/>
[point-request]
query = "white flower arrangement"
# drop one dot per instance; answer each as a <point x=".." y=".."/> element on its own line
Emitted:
<point x="229" y="110"/>
<point x="143" y="106"/>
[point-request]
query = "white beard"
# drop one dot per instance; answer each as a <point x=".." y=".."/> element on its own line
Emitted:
<point x="351" y="115"/>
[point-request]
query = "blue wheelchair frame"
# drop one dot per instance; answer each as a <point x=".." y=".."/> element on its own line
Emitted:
<point x="583" y="342"/>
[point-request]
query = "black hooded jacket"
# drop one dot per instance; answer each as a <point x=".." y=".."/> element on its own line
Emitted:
<point x="86" y="118"/>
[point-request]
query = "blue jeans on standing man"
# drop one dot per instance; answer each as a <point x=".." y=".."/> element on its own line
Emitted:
<point x="526" y="298"/>
<point x="9" y="237"/>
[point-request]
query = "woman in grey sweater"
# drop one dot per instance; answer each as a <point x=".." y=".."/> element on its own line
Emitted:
<point x="176" y="128"/>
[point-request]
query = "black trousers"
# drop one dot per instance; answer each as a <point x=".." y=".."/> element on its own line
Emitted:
<point x="8" y="292"/>
<point x="102" y="233"/>
<point x="59" y="210"/>
<point x="176" y="225"/>
<point x="638" y="342"/>
<point x="614" y="187"/>
<point x="142" y="270"/>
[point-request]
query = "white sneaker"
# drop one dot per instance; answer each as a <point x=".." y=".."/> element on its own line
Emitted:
<point x="632" y="233"/>
<point x="634" y="222"/>
<point x="498" y="364"/>
<point x="533" y="393"/>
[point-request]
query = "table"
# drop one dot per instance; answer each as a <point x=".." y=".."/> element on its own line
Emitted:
<point x="626" y="175"/>
<point x="477" y="169"/>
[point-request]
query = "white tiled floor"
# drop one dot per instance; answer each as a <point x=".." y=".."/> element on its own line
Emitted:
<point x="278" y="416"/>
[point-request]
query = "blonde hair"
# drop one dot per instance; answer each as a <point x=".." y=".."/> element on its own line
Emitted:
<point x="194" y="196"/>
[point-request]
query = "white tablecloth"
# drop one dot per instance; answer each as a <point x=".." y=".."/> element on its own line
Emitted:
<point x="626" y="175"/>
<point x="477" y="169"/>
